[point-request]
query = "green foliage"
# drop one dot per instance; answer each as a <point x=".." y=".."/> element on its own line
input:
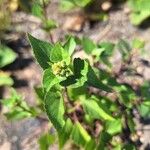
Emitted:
<point x="140" y="11"/>
<point x="46" y="140"/>
<point x="79" y="135"/>
<point x="55" y="109"/>
<point x="7" y="56"/>
<point x="17" y="107"/>
<point x="66" y="5"/>
<point x="96" y="110"/>
<point x="41" y="50"/>
<point x="5" y="79"/>
<point x="74" y="93"/>
<point x="39" y="10"/>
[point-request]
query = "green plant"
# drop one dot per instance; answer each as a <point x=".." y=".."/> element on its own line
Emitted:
<point x="139" y="11"/>
<point x="18" y="109"/>
<point x="66" y="5"/>
<point x="85" y="103"/>
<point x="7" y="56"/>
<point x="39" y="9"/>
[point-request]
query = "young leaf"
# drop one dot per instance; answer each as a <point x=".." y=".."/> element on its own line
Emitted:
<point x="55" y="109"/>
<point x="58" y="54"/>
<point x="80" y="74"/>
<point x="70" y="45"/>
<point x="41" y="51"/>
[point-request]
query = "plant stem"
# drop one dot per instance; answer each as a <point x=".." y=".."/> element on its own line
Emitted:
<point x="46" y="19"/>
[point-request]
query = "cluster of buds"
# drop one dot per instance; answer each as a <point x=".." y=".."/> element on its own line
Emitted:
<point x="61" y="69"/>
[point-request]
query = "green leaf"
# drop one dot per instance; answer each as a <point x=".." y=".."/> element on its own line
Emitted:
<point x="37" y="10"/>
<point x="66" y="5"/>
<point x="58" y="54"/>
<point x="79" y="135"/>
<point x="113" y="127"/>
<point x="95" y="82"/>
<point x="41" y="51"/>
<point x="126" y="95"/>
<point x="7" y="55"/>
<point x="75" y="93"/>
<point x="129" y="147"/>
<point x="40" y="93"/>
<point x="90" y="145"/>
<point x="82" y="3"/>
<point x="88" y="45"/>
<point x="5" y="79"/>
<point x="12" y="100"/>
<point x="17" y="114"/>
<point x="49" y="25"/>
<point x="144" y="109"/>
<point x="65" y="133"/>
<point x="145" y="90"/>
<point x="96" y="110"/>
<point x="49" y="79"/>
<point x="80" y="74"/>
<point x="138" y="17"/>
<point x="137" y="43"/>
<point x="140" y="11"/>
<point x="118" y="147"/>
<point x="80" y="71"/>
<point x="46" y="140"/>
<point x="104" y="138"/>
<point x="70" y="45"/>
<point x="108" y="49"/>
<point x="17" y="107"/>
<point x="54" y="106"/>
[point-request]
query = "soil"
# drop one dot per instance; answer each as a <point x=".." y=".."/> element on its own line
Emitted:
<point x="23" y="135"/>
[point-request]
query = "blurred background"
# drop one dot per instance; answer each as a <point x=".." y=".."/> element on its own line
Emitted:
<point x="52" y="20"/>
